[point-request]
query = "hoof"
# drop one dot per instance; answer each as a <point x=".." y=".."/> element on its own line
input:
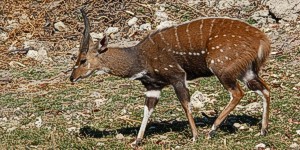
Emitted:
<point x="263" y="132"/>
<point x="136" y="143"/>
<point x="211" y="134"/>
<point x="194" y="139"/>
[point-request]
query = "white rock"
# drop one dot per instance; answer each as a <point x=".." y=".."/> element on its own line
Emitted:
<point x="237" y="125"/>
<point x="72" y="129"/>
<point x="120" y="136"/>
<point x="295" y="146"/>
<point x="96" y="36"/>
<point x="146" y="26"/>
<point x="3" y="36"/>
<point x="261" y="145"/>
<point x="100" y="102"/>
<point x="193" y="2"/>
<point x="162" y="16"/>
<point x="165" y="24"/>
<point x="38" y="123"/>
<point x="285" y="9"/>
<point x="132" y="21"/>
<point x="298" y="132"/>
<point x="32" y="54"/>
<point x="224" y="4"/>
<point x="111" y="30"/>
<point x="60" y="26"/>
<point x="253" y="106"/>
<point x="11" y="129"/>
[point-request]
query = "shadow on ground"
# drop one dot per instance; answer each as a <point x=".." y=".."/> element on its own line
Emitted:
<point x="174" y="126"/>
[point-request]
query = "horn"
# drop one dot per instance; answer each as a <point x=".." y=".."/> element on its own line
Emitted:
<point x="86" y="33"/>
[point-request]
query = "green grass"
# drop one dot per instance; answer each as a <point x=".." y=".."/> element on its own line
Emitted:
<point x="73" y="106"/>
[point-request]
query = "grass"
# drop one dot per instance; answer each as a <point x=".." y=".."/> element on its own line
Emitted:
<point x="71" y="120"/>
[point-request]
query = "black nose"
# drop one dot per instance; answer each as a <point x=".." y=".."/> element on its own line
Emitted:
<point x="71" y="78"/>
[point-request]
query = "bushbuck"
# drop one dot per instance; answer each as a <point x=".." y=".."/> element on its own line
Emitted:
<point x="230" y="49"/>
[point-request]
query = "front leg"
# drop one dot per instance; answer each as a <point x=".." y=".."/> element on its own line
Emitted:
<point x="182" y="92"/>
<point x="152" y="97"/>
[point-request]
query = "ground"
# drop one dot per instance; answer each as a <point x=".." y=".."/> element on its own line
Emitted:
<point x="41" y="109"/>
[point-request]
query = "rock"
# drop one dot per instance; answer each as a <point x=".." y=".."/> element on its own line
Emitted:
<point x="298" y="132"/>
<point x="146" y="26"/>
<point x="165" y="24"/>
<point x="161" y="16"/>
<point x="260" y="145"/>
<point x="3" y="36"/>
<point x="253" y="106"/>
<point x="237" y="125"/>
<point x="295" y="146"/>
<point x="40" y="50"/>
<point x="120" y="136"/>
<point x="193" y="2"/>
<point x="96" y="36"/>
<point x="111" y="30"/>
<point x="60" y="26"/>
<point x="100" y="102"/>
<point x="262" y="17"/>
<point x="72" y="129"/>
<point x="12" y="24"/>
<point x="285" y="9"/>
<point x="225" y="4"/>
<point x="132" y="21"/>
<point x="11" y="129"/>
<point x="38" y="123"/>
<point x="198" y="100"/>
<point x="163" y="137"/>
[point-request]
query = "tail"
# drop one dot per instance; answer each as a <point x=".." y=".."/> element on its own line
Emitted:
<point x="262" y="54"/>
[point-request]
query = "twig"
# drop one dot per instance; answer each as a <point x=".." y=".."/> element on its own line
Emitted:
<point x="25" y="50"/>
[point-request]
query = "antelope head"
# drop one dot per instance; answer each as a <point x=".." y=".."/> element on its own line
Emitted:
<point x="89" y="58"/>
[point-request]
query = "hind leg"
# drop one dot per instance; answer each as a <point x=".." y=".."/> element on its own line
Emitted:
<point x="236" y="94"/>
<point x="260" y="87"/>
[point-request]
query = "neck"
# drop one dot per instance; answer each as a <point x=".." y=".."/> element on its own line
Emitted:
<point x="123" y="62"/>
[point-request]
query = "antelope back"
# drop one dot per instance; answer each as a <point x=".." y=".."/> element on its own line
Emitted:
<point x="206" y="45"/>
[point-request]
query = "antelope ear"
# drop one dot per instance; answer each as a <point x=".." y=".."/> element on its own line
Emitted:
<point x="102" y="45"/>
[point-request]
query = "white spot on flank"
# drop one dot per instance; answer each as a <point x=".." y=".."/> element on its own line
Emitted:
<point x="138" y="75"/>
<point x="226" y="57"/>
<point x="221" y="50"/>
<point x="217" y="47"/>
<point x="195" y="54"/>
<point x="224" y="35"/>
<point x="177" y="38"/>
<point x="210" y="39"/>
<point x="239" y="36"/>
<point x="181" y="53"/>
<point x="166" y="68"/>
<point x="190" y="53"/>
<point x="155" y="70"/>
<point x="171" y="66"/>
<point x="212" y="61"/>
<point x="235" y="44"/>
<point x="203" y="52"/>
<point x="153" y="93"/>
<point x="75" y="67"/>
<point x="216" y="36"/>
<point x="174" y="52"/>
<point x="198" y="54"/>
<point x="218" y="60"/>
<point x="212" y="47"/>
<point x="233" y="35"/>
<point x="169" y="50"/>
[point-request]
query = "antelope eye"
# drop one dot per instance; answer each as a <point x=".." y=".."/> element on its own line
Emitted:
<point x="82" y="61"/>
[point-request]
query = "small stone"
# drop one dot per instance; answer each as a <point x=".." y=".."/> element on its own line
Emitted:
<point x="96" y="36"/>
<point x="38" y="123"/>
<point x="132" y="21"/>
<point x="295" y="146"/>
<point x="260" y="145"/>
<point x="120" y="136"/>
<point x="111" y="30"/>
<point x="177" y="147"/>
<point x="60" y="26"/>
<point x="298" y="132"/>
<point x="166" y="24"/>
<point x="163" y="137"/>
<point x="237" y="125"/>
<point x="11" y="129"/>
<point x="162" y="16"/>
<point x="146" y="26"/>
